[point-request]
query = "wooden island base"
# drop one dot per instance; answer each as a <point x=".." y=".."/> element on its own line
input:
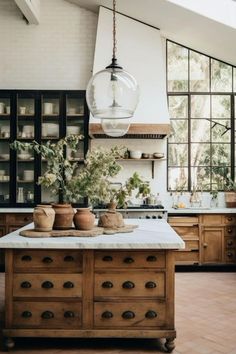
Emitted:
<point x="89" y="293"/>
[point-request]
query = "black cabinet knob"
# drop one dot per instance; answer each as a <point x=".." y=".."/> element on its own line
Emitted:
<point x="68" y="285"/>
<point x="229" y="231"/>
<point x="107" y="314"/>
<point x="128" y="285"/>
<point x="230" y="254"/>
<point x="69" y="259"/>
<point x="107" y="259"/>
<point x="128" y="260"/>
<point x="26" y="258"/>
<point x="107" y="284"/>
<point x="47" y="285"/>
<point x="26" y="284"/>
<point x="150" y="314"/>
<point x="47" y="260"/>
<point x="128" y="315"/>
<point x="26" y="314"/>
<point x="230" y="243"/>
<point x="69" y="314"/>
<point x="229" y="218"/>
<point x="151" y="259"/>
<point x="47" y="315"/>
<point x="150" y="285"/>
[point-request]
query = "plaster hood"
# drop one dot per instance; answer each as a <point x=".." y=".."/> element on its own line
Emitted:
<point x="140" y="52"/>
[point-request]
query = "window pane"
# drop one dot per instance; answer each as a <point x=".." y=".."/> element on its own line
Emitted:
<point x="178" y="106"/>
<point x="219" y="177"/>
<point x="200" y="106"/>
<point x="200" y="130"/>
<point x="221" y="106"/>
<point x="200" y="154"/>
<point x="221" y="76"/>
<point x="179" y="131"/>
<point x="220" y="154"/>
<point x="200" y="178"/>
<point x="177" y="68"/>
<point x="221" y="131"/>
<point x="199" y="72"/>
<point x="177" y="178"/>
<point x="178" y="154"/>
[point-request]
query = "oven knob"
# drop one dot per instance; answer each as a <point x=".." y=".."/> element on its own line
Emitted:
<point x="154" y="217"/>
<point x="148" y="217"/>
<point x="159" y="217"/>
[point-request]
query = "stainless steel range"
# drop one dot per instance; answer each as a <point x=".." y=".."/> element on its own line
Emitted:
<point x="142" y="212"/>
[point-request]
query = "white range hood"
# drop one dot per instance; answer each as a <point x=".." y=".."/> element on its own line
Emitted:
<point x="140" y="52"/>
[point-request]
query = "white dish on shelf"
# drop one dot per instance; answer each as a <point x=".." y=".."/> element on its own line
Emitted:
<point x="4" y="156"/>
<point x="24" y="156"/>
<point x="73" y="129"/>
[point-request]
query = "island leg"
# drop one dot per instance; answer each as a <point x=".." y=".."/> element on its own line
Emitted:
<point x="170" y="344"/>
<point x="8" y="343"/>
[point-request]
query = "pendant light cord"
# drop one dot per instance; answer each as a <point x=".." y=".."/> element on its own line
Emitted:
<point x="114" y="30"/>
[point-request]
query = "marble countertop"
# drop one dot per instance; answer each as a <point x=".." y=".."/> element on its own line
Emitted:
<point x="150" y="234"/>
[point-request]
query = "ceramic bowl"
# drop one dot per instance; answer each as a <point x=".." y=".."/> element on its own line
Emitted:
<point x="158" y="155"/>
<point x="4" y="156"/>
<point x="135" y="154"/>
<point x="24" y="156"/>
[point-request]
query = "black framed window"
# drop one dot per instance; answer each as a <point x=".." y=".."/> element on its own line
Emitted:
<point x="201" y="98"/>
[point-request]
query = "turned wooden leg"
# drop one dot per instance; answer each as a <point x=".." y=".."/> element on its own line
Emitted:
<point x="170" y="344"/>
<point x="9" y="343"/>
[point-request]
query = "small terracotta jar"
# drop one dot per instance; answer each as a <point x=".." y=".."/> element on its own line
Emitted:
<point x="64" y="214"/>
<point x="84" y="219"/>
<point x="43" y="217"/>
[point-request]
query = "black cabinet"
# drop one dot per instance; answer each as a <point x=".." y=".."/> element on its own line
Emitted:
<point x="39" y="115"/>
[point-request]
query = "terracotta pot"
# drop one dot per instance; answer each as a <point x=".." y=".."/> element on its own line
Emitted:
<point x="84" y="219"/>
<point x="43" y="217"/>
<point x="230" y="199"/>
<point x="64" y="214"/>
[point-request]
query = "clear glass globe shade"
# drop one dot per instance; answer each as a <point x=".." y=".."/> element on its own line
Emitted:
<point x="112" y="93"/>
<point x="115" y="127"/>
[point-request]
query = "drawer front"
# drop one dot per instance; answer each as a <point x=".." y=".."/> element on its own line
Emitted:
<point x="230" y="219"/>
<point x="46" y="314"/>
<point x="230" y="242"/>
<point x="187" y="231"/>
<point x="2" y="218"/>
<point x="150" y="284"/>
<point x="20" y="219"/>
<point x="47" y="285"/>
<point x="129" y="314"/>
<point x="213" y="219"/>
<point x="48" y="259"/>
<point x="191" y="245"/>
<point x="230" y="256"/>
<point x="129" y="259"/>
<point x="230" y="231"/>
<point x="186" y="256"/>
<point x="183" y="219"/>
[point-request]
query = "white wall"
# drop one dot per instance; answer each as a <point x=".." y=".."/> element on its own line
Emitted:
<point x="56" y="54"/>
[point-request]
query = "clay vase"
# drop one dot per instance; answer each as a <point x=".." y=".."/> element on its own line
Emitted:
<point x="43" y="217"/>
<point x="64" y="214"/>
<point x="111" y="219"/>
<point x="84" y="219"/>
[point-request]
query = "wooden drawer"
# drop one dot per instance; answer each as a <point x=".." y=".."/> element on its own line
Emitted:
<point x="2" y="219"/>
<point x="123" y="284"/>
<point x="129" y="259"/>
<point x="230" y="219"/>
<point x="183" y="219"/>
<point x="65" y="260"/>
<point x="186" y="256"/>
<point x="129" y="314"/>
<point x="47" y="285"/>
<point x="20" y="219"/>
<point x="46" y="314"/>
<point x="230" y="242"/>
<point x="230" y="256"/>
<point x="230" y="231"/>
<point x="186" y="231"/>
<point x="191" y="245"/>
<point x="213" y="220"/>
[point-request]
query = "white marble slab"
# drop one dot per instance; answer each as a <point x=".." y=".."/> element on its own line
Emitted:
<point x="150" y="234"/>
<point x="202" y="211"/>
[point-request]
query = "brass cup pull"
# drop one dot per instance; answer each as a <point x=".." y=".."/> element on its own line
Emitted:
<point x="229" y="231"/>
<point x="229" y="218"/>
<point x="230" y="254"/>
<point x="69" y="314"/>
<point x="150" y="314"/>
<point x="107" y="314"/>
<point x="26" y="285"/>
<point x="26" y="314"/>
<point x="128" y="285"/>
<point x="128" y="260"/>
<point x="47" y="285"/>
<point x="107" y="285"/>
<point x="151" y="259"/>
<point x="150" y="285"/>
<point x="47" y="260"/>
<point x="68" y="285"/>
<point x="107" y="259"/>
<point x="205" y="245"/>
<point x="69" y="259"/>
<point x="26" y="258"/>
<point x="128" y="315"/>
<point x="47" y="315"/>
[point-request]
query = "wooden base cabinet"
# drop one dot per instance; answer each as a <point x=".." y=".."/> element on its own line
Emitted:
<point x="90" y="293"/>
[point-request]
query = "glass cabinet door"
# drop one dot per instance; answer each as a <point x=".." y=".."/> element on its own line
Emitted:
<point x="25" y="114"/>
<point x="25" y="180"/>
<point x="50" y="115"/>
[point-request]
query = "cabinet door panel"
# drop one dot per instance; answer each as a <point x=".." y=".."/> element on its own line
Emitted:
<point x="212" y="245"/>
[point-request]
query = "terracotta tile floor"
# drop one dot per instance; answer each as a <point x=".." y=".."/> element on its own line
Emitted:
<point x="205" y="323"/>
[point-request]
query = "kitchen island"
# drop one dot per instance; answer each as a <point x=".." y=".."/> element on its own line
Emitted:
<point x="115" y="286"/>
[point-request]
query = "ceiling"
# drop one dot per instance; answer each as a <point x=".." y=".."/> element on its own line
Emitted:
<point x="178" y="24"/>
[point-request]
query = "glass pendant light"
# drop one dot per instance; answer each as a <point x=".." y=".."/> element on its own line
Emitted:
<point x="112" y="94"/>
